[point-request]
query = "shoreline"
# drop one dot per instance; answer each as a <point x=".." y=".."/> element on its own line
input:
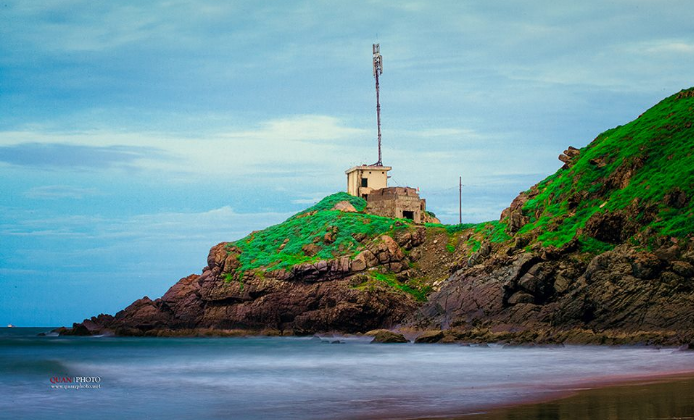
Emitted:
<point x="503" y="336"/>
<point x="597" y="392"/>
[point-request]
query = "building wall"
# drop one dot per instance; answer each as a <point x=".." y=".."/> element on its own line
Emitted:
<point x="395" y="201"/>
<point x="376" y="176"/>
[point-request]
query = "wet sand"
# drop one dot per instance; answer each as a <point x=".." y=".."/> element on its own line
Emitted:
<point x="652" y="398"/>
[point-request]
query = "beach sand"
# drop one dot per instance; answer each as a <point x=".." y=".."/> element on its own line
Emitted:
<point x="653" y="398"/>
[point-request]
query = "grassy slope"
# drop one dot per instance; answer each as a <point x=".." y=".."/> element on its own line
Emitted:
<point x="263" y="249"/>
<point x="662" y="138"/>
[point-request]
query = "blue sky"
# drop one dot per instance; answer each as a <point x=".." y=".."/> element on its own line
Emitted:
<point x="136" y="135"/>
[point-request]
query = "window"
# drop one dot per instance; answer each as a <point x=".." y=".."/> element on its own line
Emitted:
<point x="408" y="214"/>
<point x="364" y="182"/>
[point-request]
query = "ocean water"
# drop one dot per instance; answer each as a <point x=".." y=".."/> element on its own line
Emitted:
<point x="294" y="378"/>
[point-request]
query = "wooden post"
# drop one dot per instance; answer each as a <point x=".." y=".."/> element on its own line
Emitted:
<point x="460" y="200"/>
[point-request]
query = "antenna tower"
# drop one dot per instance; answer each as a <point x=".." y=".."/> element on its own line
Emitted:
<point x="378" y="69"/>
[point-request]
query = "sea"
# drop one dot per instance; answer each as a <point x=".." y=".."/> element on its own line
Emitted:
<point x="327" y="377"/>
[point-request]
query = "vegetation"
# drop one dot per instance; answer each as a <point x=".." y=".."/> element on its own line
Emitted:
<point x="317" y="233"/>
<point x="640" y="163"/>
<point x="417" y="288"/>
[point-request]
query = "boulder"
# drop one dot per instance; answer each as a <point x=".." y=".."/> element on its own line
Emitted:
<point x="345" y="206"/>
<point x="569" y="156"/>
<point x="385" y="336"/>
<point x="77" y="329"/>
<point x="607" y="227"/>
<point x="521" y="297"/>
<point x="430" y="337"/>
<point x="359" y="263"/>
<point x="310" y="249"/>
<point x="683" y="268"/>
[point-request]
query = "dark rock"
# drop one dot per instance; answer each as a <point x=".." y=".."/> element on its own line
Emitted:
<point x="521" y="297"/>
<point x="667" y="253"/>
<point x="389" y="337"/>
<point x="607" y="227"/>
<point x="77" y="329"/>
<point x="682" y="268"/>
<point x="647" y="266"/>
<point x="359" y="237"/>
<point x="676" y="198"/>
<point x="430" y="337"/>
<point x="514" y="213"/>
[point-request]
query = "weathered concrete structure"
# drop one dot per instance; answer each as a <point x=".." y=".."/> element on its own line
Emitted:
<point x="400" y="202"/>
<point x="362" y="180"/>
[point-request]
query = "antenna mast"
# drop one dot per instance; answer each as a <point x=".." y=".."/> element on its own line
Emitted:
<point x="378" y="69"/>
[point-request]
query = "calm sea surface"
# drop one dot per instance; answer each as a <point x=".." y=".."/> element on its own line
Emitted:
<point x="292" y="378"/>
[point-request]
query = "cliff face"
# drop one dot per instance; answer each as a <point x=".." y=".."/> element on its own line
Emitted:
<point x="309" y="297"/>
<point x="380" y="283"/>
<point x="538" y="295"/>
<point x="602" y="249"/>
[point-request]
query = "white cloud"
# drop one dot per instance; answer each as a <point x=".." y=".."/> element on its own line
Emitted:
<point x="55" y="192"/>
<point x="221" y="224"/>
<point x="280" y="145"/>
<point x="660" y="47"/>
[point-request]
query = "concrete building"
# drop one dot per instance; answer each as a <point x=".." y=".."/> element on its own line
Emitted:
<point x="399" y="202"/>
<point x="362" y="180"/>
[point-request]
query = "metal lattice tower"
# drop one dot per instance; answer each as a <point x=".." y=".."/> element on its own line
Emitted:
<point x="378" y="69"/>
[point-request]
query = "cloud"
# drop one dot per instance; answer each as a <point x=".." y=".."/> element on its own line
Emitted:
<point x="660" y="47"/>
<point x="220" y="224"/>
<point x="298" y="145"/>
<point x="65" y="156"/>
<point x="301" y="128"/>
<point x="55" y="192"/>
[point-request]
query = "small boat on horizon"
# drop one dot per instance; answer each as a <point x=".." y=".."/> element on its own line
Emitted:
<point x="11" y="326"/>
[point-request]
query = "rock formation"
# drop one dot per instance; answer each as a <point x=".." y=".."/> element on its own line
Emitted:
<point x="601" y="252"/>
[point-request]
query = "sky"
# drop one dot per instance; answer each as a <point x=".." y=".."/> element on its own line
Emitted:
<point x="136" y="135"/>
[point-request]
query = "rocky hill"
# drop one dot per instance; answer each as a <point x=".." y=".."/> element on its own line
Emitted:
<point x="602" y="251"/>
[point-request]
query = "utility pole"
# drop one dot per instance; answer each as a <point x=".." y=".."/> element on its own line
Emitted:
<point x="460" y="200"/>
<point x="378" y="69"/>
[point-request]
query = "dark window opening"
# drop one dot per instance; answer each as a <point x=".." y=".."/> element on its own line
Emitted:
<point x="364" y="182"/>
<point x="408" y="214"/>
<point x="364" y="196"/>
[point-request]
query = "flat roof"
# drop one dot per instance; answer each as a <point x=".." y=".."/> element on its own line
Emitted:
<point x="368" y="168"/>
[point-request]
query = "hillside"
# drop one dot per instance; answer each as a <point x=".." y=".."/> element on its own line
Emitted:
<point x="632" y="183"/>
<point x="600" y="251"/>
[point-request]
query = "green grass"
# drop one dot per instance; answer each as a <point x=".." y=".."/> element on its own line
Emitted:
<point x="282" y="246"/>
<point x="418" y="291"/>
<point x="661" y="140"/>
<point x="329" y="202"/>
